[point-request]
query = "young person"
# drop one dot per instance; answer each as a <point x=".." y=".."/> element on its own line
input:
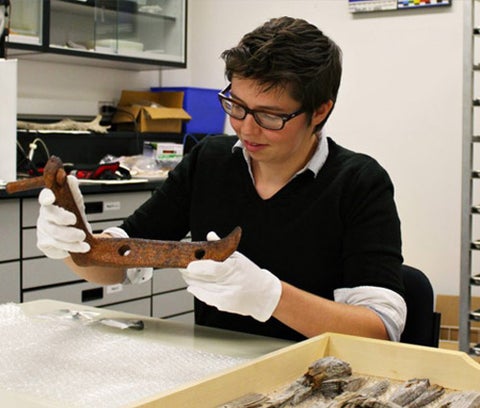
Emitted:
<point x="321" y="244"/>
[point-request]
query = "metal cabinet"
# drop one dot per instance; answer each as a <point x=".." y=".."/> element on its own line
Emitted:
<point x="10" y="282"/>
<point x="470" y="238"/>
<point x="27" y="275"/>
<point x="44" y="278"/>
<point x="90" y="294"/>
<point x="170" y="297"/>
<point x="137" y="34"/>
<point x="98" y="207"/>
<point x="10" y="251"/>
<point x="140" y="307"/>
<point x="10" y="220"/>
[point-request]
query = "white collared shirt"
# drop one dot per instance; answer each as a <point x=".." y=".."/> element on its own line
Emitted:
<point x="314" y="164"/>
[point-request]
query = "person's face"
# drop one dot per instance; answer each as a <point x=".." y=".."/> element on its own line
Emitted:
<point x="293" y="143"/>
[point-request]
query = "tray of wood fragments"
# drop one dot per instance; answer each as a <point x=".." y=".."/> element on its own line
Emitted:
<point x="366" y="373"/>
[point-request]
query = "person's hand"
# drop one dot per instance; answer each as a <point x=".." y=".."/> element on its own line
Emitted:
<point x="56" y="236"/>
<point x="236" y="285"/>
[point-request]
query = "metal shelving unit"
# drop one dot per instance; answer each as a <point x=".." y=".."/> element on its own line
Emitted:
<point x="470" y="210"/>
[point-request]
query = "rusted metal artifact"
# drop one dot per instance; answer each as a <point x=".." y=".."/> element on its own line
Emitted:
<point x="125" y="252"/>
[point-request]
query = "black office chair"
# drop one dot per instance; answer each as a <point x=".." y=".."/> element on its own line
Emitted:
<point x="423" y="323"/>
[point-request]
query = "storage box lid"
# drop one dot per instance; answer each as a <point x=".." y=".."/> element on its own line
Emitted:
<point x="157" y="105"/>
<point x="167" y="113"/>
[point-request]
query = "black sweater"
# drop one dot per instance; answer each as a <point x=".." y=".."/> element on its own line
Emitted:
<point x="337" y="230"/>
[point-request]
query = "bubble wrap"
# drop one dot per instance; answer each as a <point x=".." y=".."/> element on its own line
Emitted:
<point x="85" y="365"/>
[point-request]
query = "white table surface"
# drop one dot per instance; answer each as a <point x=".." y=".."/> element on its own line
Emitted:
<point x="167" y="332"/>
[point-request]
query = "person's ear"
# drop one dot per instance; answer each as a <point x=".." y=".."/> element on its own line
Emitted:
<point x="322" y="112"/>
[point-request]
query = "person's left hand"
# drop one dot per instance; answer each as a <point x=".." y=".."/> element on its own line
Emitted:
<point x="236" y="285"/>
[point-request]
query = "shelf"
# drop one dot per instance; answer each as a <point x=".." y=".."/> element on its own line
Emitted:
<point x="121" y="6"/>
<point x="476" y="209"/>
<point x="475" y="245"/>
<point x="475" y="315"/>
<point x="89" y="58"/>
<point x="24" y="39"/>
<point x="127" y="7"/>
<point x="475" y="350"/>
<point x="105" y="33"/>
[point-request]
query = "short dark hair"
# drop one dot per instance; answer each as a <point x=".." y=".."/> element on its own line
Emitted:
<point x="289" y="53"/>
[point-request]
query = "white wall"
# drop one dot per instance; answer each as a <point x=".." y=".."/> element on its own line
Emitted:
<point x="68" y="89"/>
<point x="400" y="101"/>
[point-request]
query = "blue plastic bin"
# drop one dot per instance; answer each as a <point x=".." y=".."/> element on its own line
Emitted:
<point x="203" y="106"/>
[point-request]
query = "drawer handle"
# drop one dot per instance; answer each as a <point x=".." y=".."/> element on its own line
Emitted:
<point x="92" y="294"/>
<point x="94" y="207"/>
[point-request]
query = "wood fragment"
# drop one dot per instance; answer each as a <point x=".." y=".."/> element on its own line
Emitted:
<point x="299" y="388"/>
<point x="376" y="389"/>
<point x="332" y="388"/>
<point x="367" y="395"/>
<point x="432" y="393"/>
<point x="66" y="124"/>
<point x="251" y="400"/>
<point x="327" y="368"/>
<point x="328" y="383"/>
<point x="409" y="391"/>
<point x="465" y="399"/>
<point x="371" y="402"/>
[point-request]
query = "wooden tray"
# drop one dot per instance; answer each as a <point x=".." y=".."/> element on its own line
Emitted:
<point x="450" y="369"/>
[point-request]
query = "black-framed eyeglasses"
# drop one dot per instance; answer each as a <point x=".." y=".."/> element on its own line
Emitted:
<point x="270" y="121"/>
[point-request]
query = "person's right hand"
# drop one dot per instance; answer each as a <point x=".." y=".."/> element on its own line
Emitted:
<point x="56" y="235"/>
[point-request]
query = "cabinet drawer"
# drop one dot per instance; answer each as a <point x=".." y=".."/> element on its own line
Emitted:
<point x="188" y="318"/>
<point x="97" y="206"/>
<point x="168" y="279"/>
<point x="10" y="278"/>
<point x="172" y="303"/>
<point x="29" y="237"/>
<point x="87" y="293"/>
<point x="10" y="222"/>
<point x="139" y="307"/>
<point x="46" y="271"/>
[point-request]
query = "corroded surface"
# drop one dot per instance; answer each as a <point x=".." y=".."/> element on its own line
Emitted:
<point x="126" y="252"/>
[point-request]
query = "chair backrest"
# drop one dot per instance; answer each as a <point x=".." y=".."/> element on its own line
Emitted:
<point x="423" y="323"/>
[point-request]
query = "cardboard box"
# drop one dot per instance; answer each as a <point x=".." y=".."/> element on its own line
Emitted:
<point x="155" y="112"/>
<point x="449" y="307"/>
<point x="203" y="106"/>
<point x="453" y="370"/>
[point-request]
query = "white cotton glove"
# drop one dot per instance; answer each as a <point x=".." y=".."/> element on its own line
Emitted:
<point x="236" y="285"/>
<point x="56" y="235"/>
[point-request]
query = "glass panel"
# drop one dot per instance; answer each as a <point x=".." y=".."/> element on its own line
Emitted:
<point x="26" y="21"/>
<point x="115" y="27"/>
<point x="161" y="28"/>
<point x="149" y="29"/>
<point x="71" y="25"/>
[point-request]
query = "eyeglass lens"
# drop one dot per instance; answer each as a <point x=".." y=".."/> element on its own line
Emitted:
<point x="266" y="120"/>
